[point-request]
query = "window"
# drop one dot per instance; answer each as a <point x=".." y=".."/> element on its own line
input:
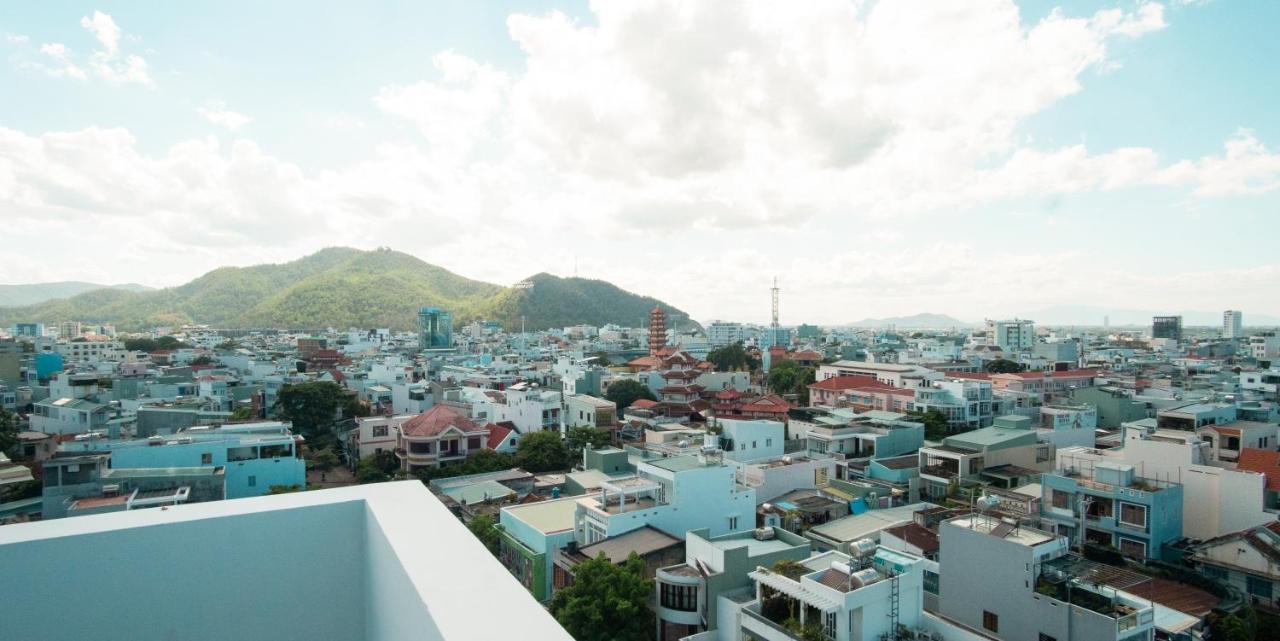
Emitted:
<point x="1061" y="500"/>
<point x="241" y="454"/>
<point x="1214" y="572"/>
<point x="768" y="442"/>
<point x="253" y="481"/>
<point x="1134" y="515"/>
<point x="1130" y="547"/>
<point x="276" y="451"/>
<point x="680" y="597"/>
<point x="1045" y="637"/>
<point x="473" y="442"/>
<point x="1259" y="587"/>
<point x="733" y="523"/>
<point x="931" y="582"/>
<point x="379" y="430"/>
<point x="990" y="621"/>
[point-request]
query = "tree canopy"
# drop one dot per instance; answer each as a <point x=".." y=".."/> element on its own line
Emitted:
<point x="477" y="463"/>
<point x="377" y="467"/>
<point x="312" y="406"/>
<point x="487" y="530"/>
<point x="789" y="377"/>
<point x="732" y="358"/>
<point x="542" y="451"/>
<point x="578" y="438"/>
<point x="8" y="430"/>
<point x="1004" y="366"/>
<point x="153" y="344"/>
<point x="935" y="423"/>
<point x="625" y="392"/>
<point x="606" y="602"/>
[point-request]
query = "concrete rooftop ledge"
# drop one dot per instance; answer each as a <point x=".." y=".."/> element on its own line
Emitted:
<point x="383" y="562"/>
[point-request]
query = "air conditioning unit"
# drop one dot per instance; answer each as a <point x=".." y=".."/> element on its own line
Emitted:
<point x="764" y="534"/>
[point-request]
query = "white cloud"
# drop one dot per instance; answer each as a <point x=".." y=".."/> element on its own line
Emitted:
<point x="61" y="61"/>
<point x="218" y="114"/>
<point x="670" y="145"/>
<point x="105" y="29"/>
<point x="16" y="38"/>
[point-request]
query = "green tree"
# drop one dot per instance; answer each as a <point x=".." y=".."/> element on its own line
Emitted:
<point x="602" y="358"/>
<point x="284" y="489"/>
<point x="578" y="438"/>
<point x="789" y="377"/>
<point x="242" y="413"/>
<point x="354" y="408"/>
<point x="324" y="460"/>
<point x="606" y="602"/>
<point x="1004" y="366"/>
<point x="935" y="423"/>
<point x="542" y="452"/>
<point x="625" y="392"/>
<point x="478" y="463"/>
<point x="377" y="467"/>
<point x="487" y="530"/>
<point x="203" y="359"/>
<point x="8" y="431"/>
<point x="732" y="358"/>
<point x="310" y="406"/>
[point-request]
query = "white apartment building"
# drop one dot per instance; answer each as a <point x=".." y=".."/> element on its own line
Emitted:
<point x="1011" y="335"/>
<point x="1264" y="345"/>
<point x="1233" y="324"/>
<point x="895" y="374"/>
<point x="91" y="351"/>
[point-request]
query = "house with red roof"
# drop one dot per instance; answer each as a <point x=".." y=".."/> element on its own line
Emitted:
<point x="437" y="437"/>
<point x="503" y="437"/>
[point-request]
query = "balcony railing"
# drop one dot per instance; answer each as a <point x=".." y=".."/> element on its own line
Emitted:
<point x="939" y="471"/>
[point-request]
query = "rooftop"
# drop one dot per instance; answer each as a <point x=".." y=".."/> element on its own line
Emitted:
<point x="548" y="517"/>
<point x="1002" y="529"/>
<point x="386" y="585"/>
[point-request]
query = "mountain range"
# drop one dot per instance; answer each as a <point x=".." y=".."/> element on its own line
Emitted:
<point x="915" y="321"/>
<point x="36" y="293"/>
<point x="344" y="287"/>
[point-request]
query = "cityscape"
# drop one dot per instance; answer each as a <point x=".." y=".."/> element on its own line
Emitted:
<point x="640" y="321"/>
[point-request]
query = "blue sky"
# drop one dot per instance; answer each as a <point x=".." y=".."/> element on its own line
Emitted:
<point x="879" y="159"/>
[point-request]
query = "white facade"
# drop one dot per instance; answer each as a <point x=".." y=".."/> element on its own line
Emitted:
<point x="200" y="572"/>
<point x="1215" y="500"/>
<point x="1233" y="324"/>
<point x="1264" y="345"/>
<point x="753" y="440"/>
<point x="1068" y="425"/>
<point x="1012" y="335"/>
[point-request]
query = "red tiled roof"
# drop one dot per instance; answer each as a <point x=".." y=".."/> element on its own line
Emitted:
<point x="975" y="376"/>
<point x="337" y="375"/>
<point x="768" y="403"/>
<point x="728" y="394"/>
<point x="497" y="434"/>
<point x="916" y="535"/>
<point x="805" y="355"/>
<point x="1263" y="461"/>
<point x="436" y="420"/>
<point x="644" y="404"/>
<point x="1071" y="373"/>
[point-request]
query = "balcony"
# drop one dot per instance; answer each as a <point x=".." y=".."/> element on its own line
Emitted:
<point x="938" y="471"/>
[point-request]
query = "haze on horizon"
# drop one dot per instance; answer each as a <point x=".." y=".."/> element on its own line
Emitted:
<point x="880" y="158"/>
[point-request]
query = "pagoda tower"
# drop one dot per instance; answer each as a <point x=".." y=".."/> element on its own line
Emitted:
<point x="657" y="330"/>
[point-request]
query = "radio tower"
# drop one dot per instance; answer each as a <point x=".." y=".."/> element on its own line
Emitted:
<point x="774" y="291"/>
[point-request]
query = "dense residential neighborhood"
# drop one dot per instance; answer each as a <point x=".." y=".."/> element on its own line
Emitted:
<point x="752" y="482"/>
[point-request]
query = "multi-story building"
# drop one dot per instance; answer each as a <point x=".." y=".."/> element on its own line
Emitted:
<point x="1244" y="560"/>
<point x="1066" y="425"/>
<point x="858" y="436"/>
<point x="1233" y="324"/>
<point x="81" y="484"/>
<point x="675" y="494"/>
<point x="91" y="351"/>
<point x="1264" y="345"/>
<point x="1011" y="335"/>
<point x="437" y="437"/>
<point x="1113" y="405"/>
<point x="1002" y="456"/>
<point x="70" y="416"/>
<point x="835" y="596"/>
<point x="435" y="328"/>
<point x="967" y="403"/>
<point x="893" y="374"/>
<point x="1111" y="506"/>
<point x="1169" y="327"/>
<point x="1216" y="499"/>
<point x="688" y="594"/>
<point x="1029" y="589"/>
<point x="581" y="410"/>
<point x="256" y="456"/>
<point x="721" y="333"/>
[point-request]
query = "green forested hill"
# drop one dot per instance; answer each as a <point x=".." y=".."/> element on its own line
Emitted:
<point x="342" y="287"/>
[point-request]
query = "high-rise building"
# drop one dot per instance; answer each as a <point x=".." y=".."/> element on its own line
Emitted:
<point x="657" y="330"/>
<point x="1012" y="335"/>
<point x="1167" y="327"/>
<point x="435" y="328"/>
<point x="1232" y="324"/>
<point x="721" y="333"/>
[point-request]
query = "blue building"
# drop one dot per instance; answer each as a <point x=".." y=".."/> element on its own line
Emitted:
<point x="48" y="364"/>
<point x="1114" y="507"/>
<point x="435" y="328"/>
<point x="256" y="455"/>
<point x="29" y="329"/>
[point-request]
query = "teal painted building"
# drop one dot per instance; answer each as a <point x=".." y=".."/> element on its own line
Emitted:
<point x="1115" y="507"/>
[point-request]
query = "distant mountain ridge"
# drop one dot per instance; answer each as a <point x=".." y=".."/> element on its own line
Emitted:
<point x="36" y="293"/>
<point x="344" y="287"/>
<point x="916" y="321"/>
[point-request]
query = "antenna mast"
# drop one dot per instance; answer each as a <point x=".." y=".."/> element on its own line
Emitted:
<point x="774" y="292"/>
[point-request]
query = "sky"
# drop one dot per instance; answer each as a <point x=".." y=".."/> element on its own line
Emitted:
<point x="982" y="158"/>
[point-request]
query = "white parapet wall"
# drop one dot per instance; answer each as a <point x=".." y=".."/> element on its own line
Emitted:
<point x="383" y="562"/>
